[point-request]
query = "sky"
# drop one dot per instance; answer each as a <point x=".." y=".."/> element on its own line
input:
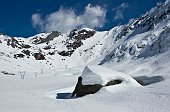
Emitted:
<point x="28" y="17"/>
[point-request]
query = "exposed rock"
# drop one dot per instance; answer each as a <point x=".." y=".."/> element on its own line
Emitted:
<point x="113" y="82"/>
<point x="53" y="35"/>
<point x="39" y="40"/>
<point x="19" y="56"/>
<point x="74" y="45"/>
<point x="84" y="34"/>
<point x="66" y="53"/>
<point x="75" y="41"/>
<point x="51" y="53"/>
<point x="73" y="33"/>
<point x="82" y="90"/>
<point x="25" y="46"/>
<point x="47" y="47"/>
<point x="39" y="56"/>
<point x="7" y="73"/>
<point x="16" y="44"/>
<point x="27" y="52"/>
<point x="12" y="42"/>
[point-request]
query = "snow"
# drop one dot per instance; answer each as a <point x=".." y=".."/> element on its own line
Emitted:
<point x="100" y="75"/>
<point x="88" y="29"/>
<point x="51" y="90"/>
<point x="52" y="93"/>
<point x="125" y="52"/>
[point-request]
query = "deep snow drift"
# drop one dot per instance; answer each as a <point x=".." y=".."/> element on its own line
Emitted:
<point x="100" y="75"/>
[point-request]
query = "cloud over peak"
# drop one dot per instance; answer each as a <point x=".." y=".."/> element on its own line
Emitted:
<point x="120" y="10"/>
<point x="65" y="20"/>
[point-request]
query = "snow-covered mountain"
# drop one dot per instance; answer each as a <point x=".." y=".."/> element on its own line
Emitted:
<point x="51" y="50"/>
<point x="144" y="37"/>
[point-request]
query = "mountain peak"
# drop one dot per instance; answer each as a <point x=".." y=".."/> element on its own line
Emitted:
<point x="146" y="34"/>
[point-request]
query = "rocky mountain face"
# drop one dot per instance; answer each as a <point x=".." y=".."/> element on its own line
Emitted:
<point x="146" y="36"/>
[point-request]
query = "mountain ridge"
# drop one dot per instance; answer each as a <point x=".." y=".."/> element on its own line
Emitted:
<point x="146" y="34"/>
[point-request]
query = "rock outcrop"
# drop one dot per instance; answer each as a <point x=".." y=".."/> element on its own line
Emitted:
<point x="39" y="56"/>
<point x="82" y="90"/>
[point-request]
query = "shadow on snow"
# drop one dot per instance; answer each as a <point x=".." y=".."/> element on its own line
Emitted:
<point x="65" y="96"/>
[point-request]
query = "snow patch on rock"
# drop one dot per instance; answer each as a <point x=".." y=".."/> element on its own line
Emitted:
<point x="100" y="75"/>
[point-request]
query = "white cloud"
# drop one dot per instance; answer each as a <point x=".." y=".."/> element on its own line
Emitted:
<point x="62" y="20"/>
<point x="120" y="10"/>
<point x="37" y="21"/>
<point x="65" y="20"/>
<point x="93" y="16"/>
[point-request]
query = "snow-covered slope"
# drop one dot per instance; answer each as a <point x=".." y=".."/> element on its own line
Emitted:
<point x="51" y="48"/>
<point x="146" y="36"/>
<point x="43" y="69"/>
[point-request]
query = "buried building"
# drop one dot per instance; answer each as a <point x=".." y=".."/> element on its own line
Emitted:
<point x="94" y="78"/>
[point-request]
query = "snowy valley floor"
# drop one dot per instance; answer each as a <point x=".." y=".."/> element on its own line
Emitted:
<point x="39" y="95"/>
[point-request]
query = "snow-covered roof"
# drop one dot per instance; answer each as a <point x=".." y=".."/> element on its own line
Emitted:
<point x="100" y="75"/>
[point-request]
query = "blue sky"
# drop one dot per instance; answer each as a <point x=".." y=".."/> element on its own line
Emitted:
<point x="29" y="17"/>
